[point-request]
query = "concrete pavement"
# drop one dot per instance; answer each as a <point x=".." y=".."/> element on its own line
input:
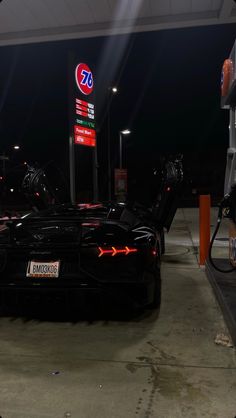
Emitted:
<point x="165" y="366"/>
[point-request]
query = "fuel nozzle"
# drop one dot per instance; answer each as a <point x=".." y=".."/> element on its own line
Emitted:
<point x="227" y="206"/>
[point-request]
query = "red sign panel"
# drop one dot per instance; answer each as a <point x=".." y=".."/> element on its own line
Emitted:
<point x="85" y="140"/>
<point x="85" y="114"/>
<point x="85" y="104"/>
<point x="81" y="130"/>
<point x="84" y="109"/>
<point x="84" y="78"/>
<point x="120" y="180"/>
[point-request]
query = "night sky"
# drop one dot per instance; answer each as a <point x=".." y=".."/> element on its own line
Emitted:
<point x="169" y="96"/>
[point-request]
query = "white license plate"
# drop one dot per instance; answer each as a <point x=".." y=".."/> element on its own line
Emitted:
<point x="43" y="269"/>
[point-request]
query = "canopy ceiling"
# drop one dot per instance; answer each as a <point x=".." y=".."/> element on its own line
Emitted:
<point x="27" y="21"/>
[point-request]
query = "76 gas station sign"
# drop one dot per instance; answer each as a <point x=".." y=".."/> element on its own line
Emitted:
<point x="84" y="111"/>
<point x="84" y="78"/>
<point x="82" y="126"/>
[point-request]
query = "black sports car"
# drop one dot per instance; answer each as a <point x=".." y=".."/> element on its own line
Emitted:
<point x="93" y="247"/>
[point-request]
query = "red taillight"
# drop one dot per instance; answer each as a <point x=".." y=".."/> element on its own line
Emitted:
<point x="104" y="251"/>
<point x="91" y="224"/>
<point x="113" y="251"/>
<point x="89" y="205"/>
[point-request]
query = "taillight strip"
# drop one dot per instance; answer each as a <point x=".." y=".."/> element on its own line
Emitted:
<point x="113" y="251"/>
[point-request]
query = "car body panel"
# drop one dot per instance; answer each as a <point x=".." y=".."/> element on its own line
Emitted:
<point x="96" y="246"/>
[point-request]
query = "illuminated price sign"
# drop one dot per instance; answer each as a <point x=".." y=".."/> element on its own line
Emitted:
<point x="81" y="103"/>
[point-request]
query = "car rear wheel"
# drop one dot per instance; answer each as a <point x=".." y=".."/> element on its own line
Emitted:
<point x="156" y="295"/>
<point x="162" y="237"/>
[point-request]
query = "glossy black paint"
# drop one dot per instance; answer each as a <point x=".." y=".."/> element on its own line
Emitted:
<point x="99" y="246"/>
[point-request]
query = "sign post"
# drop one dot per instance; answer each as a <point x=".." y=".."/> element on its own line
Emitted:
<point x="72" y="170"/>
<point x="82" y="119"/>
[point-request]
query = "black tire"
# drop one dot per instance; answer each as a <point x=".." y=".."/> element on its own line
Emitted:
<point x="162" y="237"/>
<point x="156" y="297"/>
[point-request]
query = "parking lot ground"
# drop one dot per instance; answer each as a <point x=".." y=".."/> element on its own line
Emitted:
<point x="141" y="365"/>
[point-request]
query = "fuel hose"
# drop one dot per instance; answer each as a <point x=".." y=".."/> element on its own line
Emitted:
<point x="219" y="220"/>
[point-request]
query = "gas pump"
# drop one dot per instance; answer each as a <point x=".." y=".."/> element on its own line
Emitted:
<point x="227" y="207"/>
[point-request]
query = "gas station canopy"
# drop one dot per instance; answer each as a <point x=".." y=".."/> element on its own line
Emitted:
<point x="27" y="21"/>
